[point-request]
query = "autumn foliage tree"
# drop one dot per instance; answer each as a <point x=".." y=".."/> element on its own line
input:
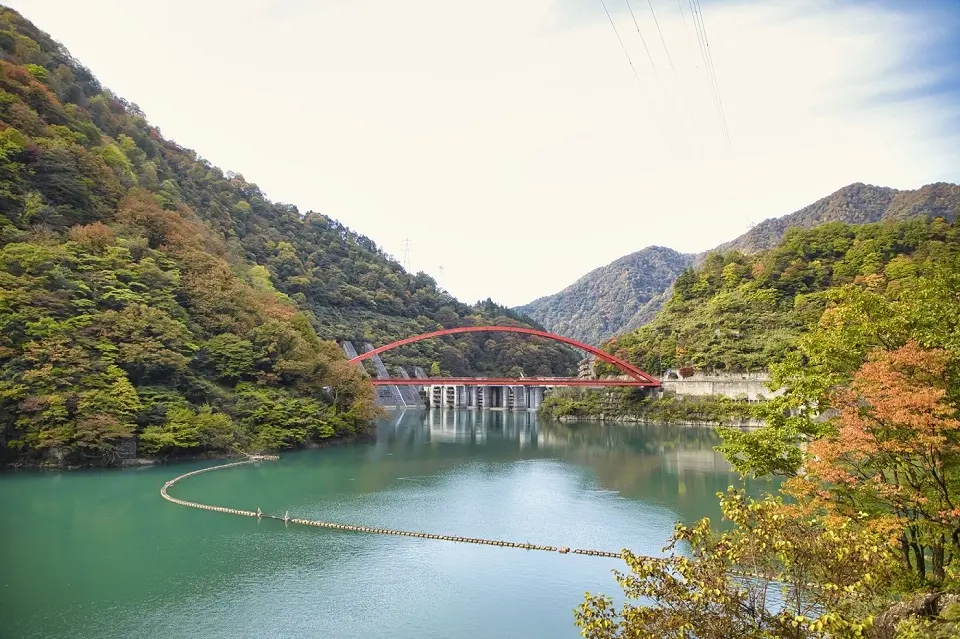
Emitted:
<point x="896" y="454"/>
<point x="782" y="571"/>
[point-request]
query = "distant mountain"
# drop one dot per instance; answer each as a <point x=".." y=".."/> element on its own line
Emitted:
<point x="854" y="204"/>
<point x="741" y="312"/>
<point x="623" y="295"/>
<point x="627" y="293"/>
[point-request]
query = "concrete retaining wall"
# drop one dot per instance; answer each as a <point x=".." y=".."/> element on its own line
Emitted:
<point x="734" y="385"/>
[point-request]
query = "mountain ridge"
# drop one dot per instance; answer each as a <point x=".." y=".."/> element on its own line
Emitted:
<point x="856" y="203"/>
<point x="741" y="312"/>
<point x="568" y="312"/>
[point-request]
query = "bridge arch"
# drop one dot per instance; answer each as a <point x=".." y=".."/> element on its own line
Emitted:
<point x="626" y="367"/>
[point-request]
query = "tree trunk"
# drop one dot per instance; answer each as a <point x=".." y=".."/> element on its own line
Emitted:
<point x="938" y="571"/>
<point x="918" y="556"/>
<point x="905" y="550"/>
<point x="920" y="559"/>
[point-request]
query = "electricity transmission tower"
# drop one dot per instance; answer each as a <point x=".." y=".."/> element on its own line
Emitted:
<point x="406" y="254"/>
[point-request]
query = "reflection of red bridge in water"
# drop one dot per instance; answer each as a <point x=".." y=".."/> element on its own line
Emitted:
<point x="637" y="376"/>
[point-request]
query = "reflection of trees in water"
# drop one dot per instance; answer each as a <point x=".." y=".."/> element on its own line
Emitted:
<point x="675" y="466"/>
<point x="518" y="425"/>
<point x="507" y="430"/>
<point x="649" y="437"/>
<point x="672" y="465"/>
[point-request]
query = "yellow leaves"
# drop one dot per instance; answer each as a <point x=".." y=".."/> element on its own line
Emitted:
<point x="714" y="592"/>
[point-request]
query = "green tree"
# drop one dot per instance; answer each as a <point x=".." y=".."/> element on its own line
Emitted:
<point x="895" y="453"/>
<point x="186" y="428"/>
<point x="780" y="572"/>
<point x="232" y="358"/>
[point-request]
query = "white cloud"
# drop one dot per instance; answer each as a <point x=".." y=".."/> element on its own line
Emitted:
<point x="510" y="142"/>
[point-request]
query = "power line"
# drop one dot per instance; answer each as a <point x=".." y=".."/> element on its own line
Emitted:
<point x="662" y="41"/>
<point x="708" y="69"/>
<point x="713" y="71"/>
<point x="620" y="40"/>
<point x="649" y="57"/>
<point x="696" y="30"/>
<point x="683" y="18"/>
<point x="630" y="61"/>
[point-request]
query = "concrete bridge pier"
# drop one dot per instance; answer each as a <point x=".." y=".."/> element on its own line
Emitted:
<point x="455" y="396"/>
<point x="534" y="397"/>
<point x="519" y="398"/>
<point x="471" y="397"/>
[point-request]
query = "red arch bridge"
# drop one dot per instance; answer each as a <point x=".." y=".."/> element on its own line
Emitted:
<point x="492" y="392"/>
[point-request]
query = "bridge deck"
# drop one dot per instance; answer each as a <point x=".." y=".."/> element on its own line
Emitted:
<point x="511" y="381"/>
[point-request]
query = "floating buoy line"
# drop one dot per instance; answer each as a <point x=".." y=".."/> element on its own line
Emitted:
<point x="258" y="514"/>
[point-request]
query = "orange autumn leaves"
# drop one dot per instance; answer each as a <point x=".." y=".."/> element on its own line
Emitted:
<point x="896" y="449"/>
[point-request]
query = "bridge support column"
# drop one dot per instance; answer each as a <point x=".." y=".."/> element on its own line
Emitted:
<point x="519" y="398"/>
<point x="536" y="397"/>
<point x="453" y="396"/>
<point x="472" y="396"/>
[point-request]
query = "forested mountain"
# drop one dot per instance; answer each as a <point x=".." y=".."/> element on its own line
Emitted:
<point x="145" y="292"/>
<point x="741" y="312"/>
<point x="620" y="296"/>
<point x="854" y="204"/>
<point x="627" y="293"/>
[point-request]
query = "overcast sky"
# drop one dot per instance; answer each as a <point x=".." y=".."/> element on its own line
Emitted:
<point x="510" y="140"/>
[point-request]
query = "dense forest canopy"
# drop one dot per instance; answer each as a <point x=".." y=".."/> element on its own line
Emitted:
<point x="145" y="292"/>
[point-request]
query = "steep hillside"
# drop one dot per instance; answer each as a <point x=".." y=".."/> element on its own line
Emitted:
<point x="740" y="312"/>
<point x="623" y="295"/>
<point x="145" y="292"/>
<point x="854" y="204"/>
<point x="88" y="147"/>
